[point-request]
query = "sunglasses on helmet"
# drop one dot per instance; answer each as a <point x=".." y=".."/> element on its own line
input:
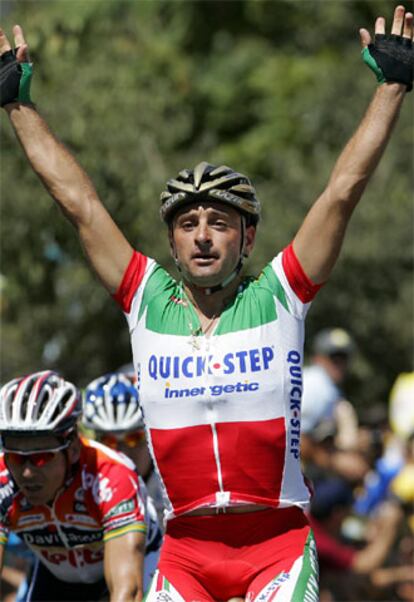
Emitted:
<point x="38" y="458"/>
<point x="128" y="439"/>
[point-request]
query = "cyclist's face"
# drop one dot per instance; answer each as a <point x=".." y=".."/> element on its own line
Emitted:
<point x="206" y="239"/>
<point x="38" y="483"/>
<point x="336" y="365"/>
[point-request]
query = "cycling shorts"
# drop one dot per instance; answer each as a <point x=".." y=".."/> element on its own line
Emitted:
<point x="43" y="586"/>
<point x="268" y="555"/>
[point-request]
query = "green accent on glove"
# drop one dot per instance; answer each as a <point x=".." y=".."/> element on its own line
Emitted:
<point x="25" y="81"/>
<point x="372" y="64"/>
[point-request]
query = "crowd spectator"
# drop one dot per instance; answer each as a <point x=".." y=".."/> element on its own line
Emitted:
<point x="329" y="440"/>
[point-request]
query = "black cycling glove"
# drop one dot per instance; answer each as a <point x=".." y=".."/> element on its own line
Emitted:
<point x="391" y="57"/>
<point x="15" y="79"/>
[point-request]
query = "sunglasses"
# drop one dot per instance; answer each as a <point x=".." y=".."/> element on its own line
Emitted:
<point x="128" y="439"/>
<point x="36" y="458"/>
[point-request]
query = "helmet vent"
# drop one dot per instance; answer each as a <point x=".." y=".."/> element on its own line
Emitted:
<point x="206" y="182"/>
<point x="199" y="171"/>
<point x="40" y="403"/>
<point x="112" y="404"/>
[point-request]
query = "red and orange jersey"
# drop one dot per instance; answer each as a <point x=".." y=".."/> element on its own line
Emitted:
<point x="103" y="500"/>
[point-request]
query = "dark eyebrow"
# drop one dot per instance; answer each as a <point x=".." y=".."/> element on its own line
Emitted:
<point x="215" y="211"/>
<point x="186" y="215"/>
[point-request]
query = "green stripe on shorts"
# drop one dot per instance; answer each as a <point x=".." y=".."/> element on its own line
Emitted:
<point x="307" y="586"/>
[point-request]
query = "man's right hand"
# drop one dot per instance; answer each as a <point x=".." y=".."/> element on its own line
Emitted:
<point x="15" y="69"/>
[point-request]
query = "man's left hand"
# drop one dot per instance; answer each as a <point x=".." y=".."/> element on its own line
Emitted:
<point x="391" y="56"/>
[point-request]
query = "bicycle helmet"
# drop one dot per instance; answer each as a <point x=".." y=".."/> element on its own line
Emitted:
<point x="42" y="403"/>
<point x="209" y="182"/>
<point x="111" y="404"/>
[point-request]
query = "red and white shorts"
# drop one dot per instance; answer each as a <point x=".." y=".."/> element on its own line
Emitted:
<point x="262" y="556"/>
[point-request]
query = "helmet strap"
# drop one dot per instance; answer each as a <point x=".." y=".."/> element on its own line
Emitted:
<point x="71" y="467"/>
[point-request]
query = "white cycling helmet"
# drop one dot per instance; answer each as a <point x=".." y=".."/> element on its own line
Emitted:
<point x="111" y="404"/>
<point x="216" y="183"/>
<point x="42" y="403"/>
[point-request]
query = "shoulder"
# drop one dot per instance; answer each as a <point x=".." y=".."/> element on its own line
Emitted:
<point x="106" y="475"/>
<point x="112" y="490"/>
<point x="320" y="395"/>
<point x="318" y="383"/>
<point x="315" y="373"/>
<point x="98" y="458"/>
<point x="142" y="273"/>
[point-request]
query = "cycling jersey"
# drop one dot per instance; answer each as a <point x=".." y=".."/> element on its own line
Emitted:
<point x="103" y="500"/>
<point x="222" y="412"/>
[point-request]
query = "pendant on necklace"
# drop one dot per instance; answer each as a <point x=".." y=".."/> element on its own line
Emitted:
<point x="195" y="343"/>
<point x="195" y="340"/>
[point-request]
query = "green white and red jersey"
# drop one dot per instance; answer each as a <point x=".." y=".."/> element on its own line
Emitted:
<point x="222" y="412"/>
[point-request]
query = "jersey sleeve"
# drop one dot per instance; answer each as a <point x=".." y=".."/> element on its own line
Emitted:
<point x="130" y="292"/>
<point x="297" y="286"/>
<point x="143" y="281"/>
<point x="119" y="499"/>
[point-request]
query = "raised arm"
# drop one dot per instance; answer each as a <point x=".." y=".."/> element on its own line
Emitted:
<point x="106" y="247"/>
<point x="319" y="240"/>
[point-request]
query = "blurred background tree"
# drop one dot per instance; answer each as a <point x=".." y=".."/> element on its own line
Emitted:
<point x="138" y="90"/>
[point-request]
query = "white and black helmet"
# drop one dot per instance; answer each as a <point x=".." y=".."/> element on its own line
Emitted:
<point x="111" y="404"/>
<point x="42" y="403"/>
<point x="214" y="183"/>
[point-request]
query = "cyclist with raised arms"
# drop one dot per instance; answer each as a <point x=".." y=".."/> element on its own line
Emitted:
<point x="77" y="504"/>
<point x="218" y="358"/>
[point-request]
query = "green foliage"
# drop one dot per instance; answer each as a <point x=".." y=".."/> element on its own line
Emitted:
<point x="139" y="90"/>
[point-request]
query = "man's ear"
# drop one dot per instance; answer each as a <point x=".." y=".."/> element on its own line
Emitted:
<point x="250" y="239"/>
<point x="74" y="451"/>
<point x="172" y="243"/>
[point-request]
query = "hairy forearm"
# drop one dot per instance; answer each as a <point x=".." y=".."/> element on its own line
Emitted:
<point x="61" y="175"/>
<point x="361" y="155"/>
